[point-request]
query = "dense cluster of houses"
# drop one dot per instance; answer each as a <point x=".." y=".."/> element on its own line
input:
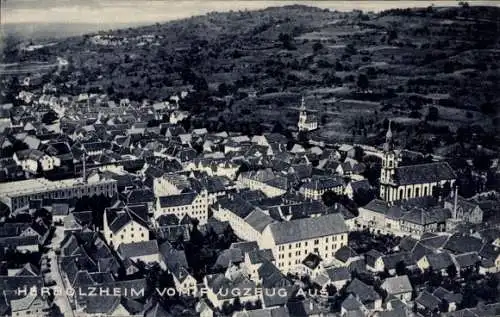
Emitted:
<point x="167" y="183"/>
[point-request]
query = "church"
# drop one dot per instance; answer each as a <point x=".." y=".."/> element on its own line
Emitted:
<point x="404" y="182"/>
<point x="307" y="121"/>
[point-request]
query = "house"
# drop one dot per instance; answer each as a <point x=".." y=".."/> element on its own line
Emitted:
<point x="23" y="244"/>
<point x="373" y="216"/>
<point x="33" y="161"/>
<point x="265" y="180"/>
<point x="417" y="221"/>
<point x="437" y="261"/>
<point x="357" y="187"/>
<point x="466" y="261"/>
<point x="319" y="185"/>
<point x="399" y="287"/>
<point x="221" y="289"/>
<point x="30" y="305"/>
<point x="427" y="301"/>
<point x="77" y="221"/>
<point x="254" y="259"/>
<point x="191" y="204"/>
<point x="365" y="294"/>
<point x="449" y="299"/>
<point x="307" y="307"/>
<point x="309" y="266"/>
<point x="464" y="210"/>
<point x="347" y="150"/>
<point x="204" y="308"/>
<point x="336" y="276"/>
<point x="352" y="306"/>
<point x="389" y="262"/>
<point x="345" y="256"/>
<point x="38" y="229"/>
<point x="125" y="225"/>
<point x="184" y="282"/>
<point x="291" y="241"/>
<point x="144" y="251"/>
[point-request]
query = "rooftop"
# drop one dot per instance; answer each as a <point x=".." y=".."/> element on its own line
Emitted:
<point x="42" y="185"/>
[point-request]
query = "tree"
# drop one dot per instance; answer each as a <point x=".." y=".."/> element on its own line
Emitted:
<point x="400" y="268"/>
<point x="362" y="82"/>
<point x="330" y="198"/>
<point x="49" y="117"/>
<point x="317" y="46"/>
<point x="286" y="41"/>
<point x="451" y="270"/>
<point x="433" y="114"/>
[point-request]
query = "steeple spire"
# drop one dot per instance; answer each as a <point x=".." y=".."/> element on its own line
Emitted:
<point x="388" y="139"/>
<point x="303" y="104"/>
<point x="388" y="135"/>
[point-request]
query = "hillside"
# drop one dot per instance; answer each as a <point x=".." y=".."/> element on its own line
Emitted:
<point x="433" y="69"/>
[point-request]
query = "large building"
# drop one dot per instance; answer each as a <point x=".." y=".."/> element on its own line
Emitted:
<point x="125" y="225"/>
<point x="291" y="241"/>
<point x="404" y="182"/>
<point x="18" y="194"/>
<point x="307" y="121"/>
<point x="191" y="204"/>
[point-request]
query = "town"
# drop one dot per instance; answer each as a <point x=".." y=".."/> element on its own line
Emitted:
<point x="130" y="205"/>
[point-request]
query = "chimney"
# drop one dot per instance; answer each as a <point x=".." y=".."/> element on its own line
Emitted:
<point x="84" y="172"/>
<point x="455" y="203"/>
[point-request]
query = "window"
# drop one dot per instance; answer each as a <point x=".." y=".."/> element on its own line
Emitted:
<point x="121" y="236"/>
<point x="316" y="242"/>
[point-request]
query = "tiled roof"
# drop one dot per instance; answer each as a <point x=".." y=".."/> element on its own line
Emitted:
<point x="423" y="173"/>
<point x="308" y="228"/>
<point x="258" y="220"/>
<point x="177" y="200"/>
<point x="397" y="285"/>
<point x="131" y="250"/>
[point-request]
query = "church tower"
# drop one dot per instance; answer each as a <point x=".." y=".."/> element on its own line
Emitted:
<point x="389" y="165"/>
<point x="307" y="122"/>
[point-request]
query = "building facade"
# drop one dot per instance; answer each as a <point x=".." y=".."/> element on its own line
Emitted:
<point x="291" y="241"/>
<point x="193" y="204"/>
<point x="405" y="182"/>
<point x="18" y="194"/>
<point x="307" y="121"/>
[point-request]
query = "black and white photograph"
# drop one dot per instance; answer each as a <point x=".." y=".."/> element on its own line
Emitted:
<point x="249" y="158"/>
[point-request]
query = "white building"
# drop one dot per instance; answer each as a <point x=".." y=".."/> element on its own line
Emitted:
<point x="125" y="225"/>
<point x="170" y="184"/>
<point x="18" y="194"/>
<point x="307" y="121"/>
<point x="247" y="222"/>
<point x="291" y="241"/>
<point x="144" y="251"/>
<point x="264" y="180"/>
<point x="404" y="182"/>
<point x="31" y="160"/>
<point x="192" y="204"/>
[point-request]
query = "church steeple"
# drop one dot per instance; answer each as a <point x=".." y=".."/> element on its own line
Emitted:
<point x="388" y="145"/>
<point x="302" y="104"/>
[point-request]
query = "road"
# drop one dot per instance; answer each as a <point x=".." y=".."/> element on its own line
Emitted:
<point x="62" y="300"/>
